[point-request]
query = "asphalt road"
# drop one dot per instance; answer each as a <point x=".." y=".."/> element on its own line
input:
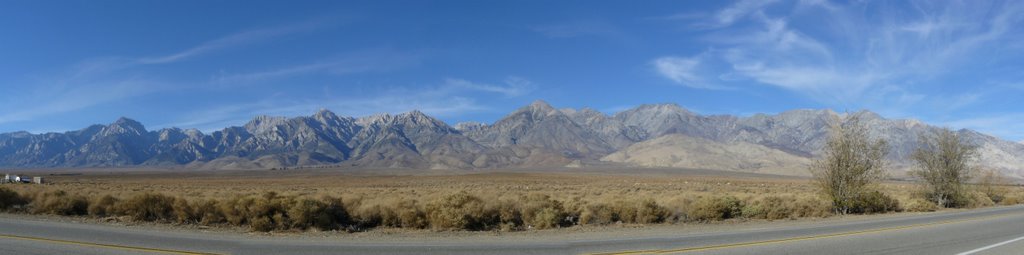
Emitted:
<point x="984" y="231"/>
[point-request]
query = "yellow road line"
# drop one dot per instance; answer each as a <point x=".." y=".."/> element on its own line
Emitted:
<point x="107" y="246"/>
<point x="801" y="238"/>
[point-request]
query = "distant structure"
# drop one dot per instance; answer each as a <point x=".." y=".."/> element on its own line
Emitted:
<point x="14" y="178"/>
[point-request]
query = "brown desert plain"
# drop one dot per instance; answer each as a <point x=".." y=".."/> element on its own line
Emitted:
<point x="506" y="200"/>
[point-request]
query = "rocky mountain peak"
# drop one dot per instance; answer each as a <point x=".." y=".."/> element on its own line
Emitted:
<point x="124" y="126"/>
<point x="536" y="111"/>
<point x="665" y="107"/>
<point x="866" y="115"/>
<point x="647" y="112"/>
<point x="419" y="118"/>
<point x="539" y="106"/>
<point x="469" y="126"/>
<point x="174" y="134"/>
<point x="192" y="132"/>
<point x="18" y="134"/>
<point x="324" y="114"/>
<point x="169" y="134"/>
<point x="805" y="117"/>
<point x="582" y="112"/>
<point x="586" y="116"/>
<point x="416" y="114"/>
<point x="660" y="119"/>
<point x="264" y="123"/>
<point x="590" y="111"/>
<point x="911" y="123"/>
<point x="374" y="119"/>
<point x="807" y="113"/>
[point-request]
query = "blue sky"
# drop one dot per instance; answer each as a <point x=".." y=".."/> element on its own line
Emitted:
<point x="211" y="64"/>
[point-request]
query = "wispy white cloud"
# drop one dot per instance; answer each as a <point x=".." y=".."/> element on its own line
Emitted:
<point x="374" y="60"/>
<point x="68" y="98"/>
<point x="234" y="40"/>
<point x="512" y="86"/>
<point x="735" y="12"/>
<point x="103" y="80"/>
<point x="93" y="68"/>
<point x="215" y="118"/>
<point x="963" y="100"/>
<point x="847" y="54"/>
<point x="684" y="71"/>
<point x="241" y="78"/>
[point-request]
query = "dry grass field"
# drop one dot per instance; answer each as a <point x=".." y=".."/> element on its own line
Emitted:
<point x="296" y="200"/>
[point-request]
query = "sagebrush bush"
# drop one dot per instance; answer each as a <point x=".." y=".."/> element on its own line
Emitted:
<point x="716" y="208"/>
<point x="509" y="213"/>
<point x="270" y="209"/>
<point x="648" y="211"/>
<point x="234" y="210"/>
<point x="920" y="205"/>
<point x="875" y="202"/>
<point x="812" y="206"/>
<point x="103" y="206"/>
<point x="645" y="211"/>
<point x="10" y="199"/>
<point x="59" y="203"/>
<point x="456" y="211"/>
<point x="184" y="211"/>
<point x="770" y="207"/>
<point x="148" y="207"/>
<point x="410" y="215"/>
<point x="597" y="214"/>
<point x="678" y="209"/>
<point x="975" y="199"/>
<point x="324" y="214"/>
<point x="208" y="212"/>
<point x="262" y="223"/>
<point x="541" y="212"/>
<point x="1013" y="199"/>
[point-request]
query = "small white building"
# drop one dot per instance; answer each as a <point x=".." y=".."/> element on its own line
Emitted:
<point x="14" y="178"/>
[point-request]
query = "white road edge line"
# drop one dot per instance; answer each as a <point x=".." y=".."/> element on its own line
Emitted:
<point x="990" y="246"/>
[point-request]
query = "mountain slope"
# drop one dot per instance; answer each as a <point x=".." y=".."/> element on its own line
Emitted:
<point x="677" y="150"/>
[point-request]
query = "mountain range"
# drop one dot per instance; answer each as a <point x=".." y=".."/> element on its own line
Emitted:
<point x="537" y="135"/>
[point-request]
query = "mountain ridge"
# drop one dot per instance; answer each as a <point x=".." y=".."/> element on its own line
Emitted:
<point x="535" y="135"/>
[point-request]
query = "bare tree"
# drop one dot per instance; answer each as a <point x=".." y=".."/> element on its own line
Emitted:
<point x="851" y="163"/>
<point x="944" y="164"/>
